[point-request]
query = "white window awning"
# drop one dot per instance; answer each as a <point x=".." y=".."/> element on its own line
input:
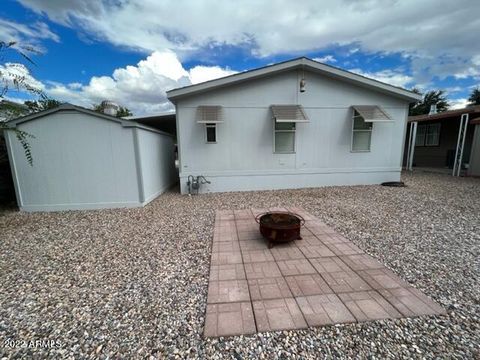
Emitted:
<point x="289" y="113"/>
<point x="209" y="115"/>
<point x="372" y="113"/>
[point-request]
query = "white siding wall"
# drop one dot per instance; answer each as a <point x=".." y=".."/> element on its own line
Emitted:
<point x="81" y="161"/>
<point x="243" y="158"/>
<point x="157" y="161"/>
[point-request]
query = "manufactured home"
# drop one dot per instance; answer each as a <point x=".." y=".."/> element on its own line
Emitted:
<point x="294" y="124"/>
<point x="83" y="159"/>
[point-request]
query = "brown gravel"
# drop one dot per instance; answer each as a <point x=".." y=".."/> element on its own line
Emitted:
<point x="133" y="282"/>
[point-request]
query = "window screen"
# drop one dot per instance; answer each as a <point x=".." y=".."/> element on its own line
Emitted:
<point x="284" y="137"/>
<point x="211" y="133"/>
<point x="432" y="137"/>
<point x="428" y="135"/>
<point x="362" y="133"/>
<point x="420" y="138"/>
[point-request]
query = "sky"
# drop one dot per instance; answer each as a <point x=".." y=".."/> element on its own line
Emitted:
<point x="133" y="51"/>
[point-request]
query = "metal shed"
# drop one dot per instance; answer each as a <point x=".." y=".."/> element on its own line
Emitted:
<point x="88" y="160"/>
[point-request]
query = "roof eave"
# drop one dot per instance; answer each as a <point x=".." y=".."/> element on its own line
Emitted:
<point x="70" y="107"/>
<point x="191" y="90"/>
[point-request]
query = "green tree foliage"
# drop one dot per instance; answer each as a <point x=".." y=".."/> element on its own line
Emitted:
<point x="9" y="78"/>
<point x="432" y="97"/>
<point x="41" y="105"/>
<point x="122" y="111"/>
<point x="474" y="98"/>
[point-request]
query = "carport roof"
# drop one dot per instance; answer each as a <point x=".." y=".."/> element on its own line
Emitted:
<point x="161" y="121"/>
<point x="449" y="114"/>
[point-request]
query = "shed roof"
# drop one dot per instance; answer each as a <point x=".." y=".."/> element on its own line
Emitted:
<point x="70" y="107"/>
<point x="299" y="63"/>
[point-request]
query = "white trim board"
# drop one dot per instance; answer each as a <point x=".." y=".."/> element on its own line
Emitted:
<point x="287" y="171"/>
<point x="292" y="181"/>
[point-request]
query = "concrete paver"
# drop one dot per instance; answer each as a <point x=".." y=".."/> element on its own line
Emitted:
<point x="320" y="280"/>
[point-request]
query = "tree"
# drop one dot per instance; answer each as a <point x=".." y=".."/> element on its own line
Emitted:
<point x="474" y="98"/>
<point x="14" y="75"/>
<point x="121" y="112"/>
<point x="433" y="97"/>
<point x="41" y="105"/>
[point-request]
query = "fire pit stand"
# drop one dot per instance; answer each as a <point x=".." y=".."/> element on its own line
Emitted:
<point x="280" y="226"/>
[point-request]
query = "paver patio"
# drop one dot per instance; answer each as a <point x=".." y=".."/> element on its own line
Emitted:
<point x="320" y="280"/>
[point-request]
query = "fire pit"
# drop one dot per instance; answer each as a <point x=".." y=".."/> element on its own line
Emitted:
<point x="280" y="226"/>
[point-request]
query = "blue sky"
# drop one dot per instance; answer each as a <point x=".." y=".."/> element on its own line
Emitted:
<point x="133" y="51"/>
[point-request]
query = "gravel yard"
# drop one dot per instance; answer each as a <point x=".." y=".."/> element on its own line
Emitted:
<point x="133" y="282"/>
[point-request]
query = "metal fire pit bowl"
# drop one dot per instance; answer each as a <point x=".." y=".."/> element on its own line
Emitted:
<point x="280" y="226"/>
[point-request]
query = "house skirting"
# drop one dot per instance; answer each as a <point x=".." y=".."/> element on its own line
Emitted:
<point x="276" y="180"/>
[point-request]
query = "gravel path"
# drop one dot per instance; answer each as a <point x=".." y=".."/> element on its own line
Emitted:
<point x="133" y="282"/>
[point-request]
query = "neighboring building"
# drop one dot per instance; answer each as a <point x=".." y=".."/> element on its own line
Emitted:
<point x="290" y="125"/>
<point x="83" y="159"/>
<point x="448" y="141"/>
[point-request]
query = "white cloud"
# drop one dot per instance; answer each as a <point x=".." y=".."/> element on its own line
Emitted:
<point x="387" y="76"/>
<point x="326" y="59"/>
<point x="26" y="35"/>
<point x="201" y="73"/>
<point x="429" y="32"/>
<point x="16" y="76"/>
<point x="142" y="88"/>
<point x="458" y="103"/>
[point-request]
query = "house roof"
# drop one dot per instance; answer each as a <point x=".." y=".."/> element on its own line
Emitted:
<point x="449" y="114"/>
<point x="70" y="107"/>
<point x="299" y="63"/>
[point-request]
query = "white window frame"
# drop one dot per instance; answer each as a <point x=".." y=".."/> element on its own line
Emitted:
<point x="425" y="134"/>
<point x="360" y="130"/>
<point x="275" y="131"/>
<point x="421" y="131"/>
<point x="214" y="126"/>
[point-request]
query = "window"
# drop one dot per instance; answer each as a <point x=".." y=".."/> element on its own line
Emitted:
<point x="211" y="134"/>
<point x="210" y="115"/>
<point x="284" y="135"/>
<point x="428" y="135"/>
<point x="432" y="138"/>
<point x="420" y="139"/>
<point x="361" y="134"/>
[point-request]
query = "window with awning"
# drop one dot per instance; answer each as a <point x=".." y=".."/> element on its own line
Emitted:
<point x="364" y="116"/>
<point x="372" y="113"/>
<point x="285" y="119"/>
<point x="289" y="113"/>
<point x="209" y="115"/>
